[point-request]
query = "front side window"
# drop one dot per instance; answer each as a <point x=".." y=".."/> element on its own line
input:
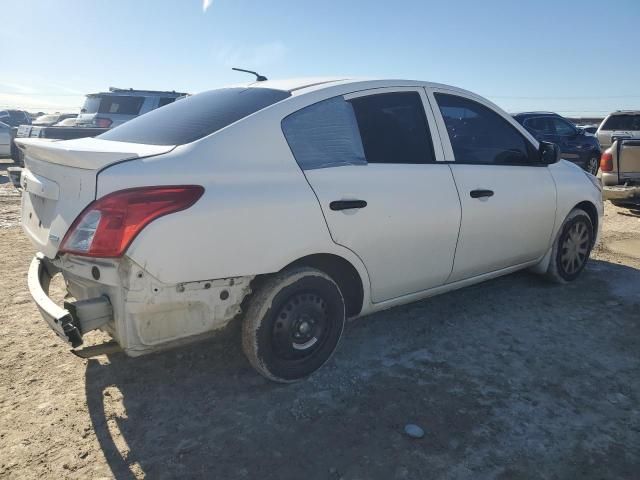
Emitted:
<point x="166" y="101"/>
<point x="394" y="128"/>
<point x="479" y="135"/>
<point x="563" y="128"/>
<point x="540" y="125"/>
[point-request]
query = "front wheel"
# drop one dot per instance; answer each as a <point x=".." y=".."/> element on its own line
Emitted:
<point x="572" y="247"/>
<point x="293" y="323"/>
<point x="592" y="165"/>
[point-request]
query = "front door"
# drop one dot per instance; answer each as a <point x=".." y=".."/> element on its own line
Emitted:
<point x="508" y="198"/>
<point x="372" y="159"/>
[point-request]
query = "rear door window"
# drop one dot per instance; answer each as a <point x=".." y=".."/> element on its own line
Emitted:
<point x="622" y="122"/>
<point x="194" y="117"/>
<point x="393" y="128"/>
<point x="479" y="135"/>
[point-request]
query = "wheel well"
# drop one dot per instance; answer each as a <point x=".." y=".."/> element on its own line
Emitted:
<point x="591" y="210"/>
<point x="343" y="273"/>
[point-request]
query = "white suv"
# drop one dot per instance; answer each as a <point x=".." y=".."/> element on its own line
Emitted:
<point x="294" y="205"/>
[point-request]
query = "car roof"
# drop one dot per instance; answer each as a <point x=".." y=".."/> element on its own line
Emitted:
<point x="625" y="112"/>
<point x="297" y="86"/>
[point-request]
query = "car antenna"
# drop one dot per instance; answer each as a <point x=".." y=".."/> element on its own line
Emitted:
<point x="259" y="78"/>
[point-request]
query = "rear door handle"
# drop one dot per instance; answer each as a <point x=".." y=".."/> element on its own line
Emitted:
<point x="481" y="193"/>
<point x="347" y="204"/>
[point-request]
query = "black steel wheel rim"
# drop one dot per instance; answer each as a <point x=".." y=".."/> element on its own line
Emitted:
<point x="300" y="327"/>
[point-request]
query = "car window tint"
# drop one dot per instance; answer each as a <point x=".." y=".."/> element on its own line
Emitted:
<point x="622" y="122"/>
<point x="479" y="135"/>
<point x="541" y="125"/>
<point x="324" y="134"/>
<point x="166" y="101"/>
<point x="123" y="105"/>
<point x="393" y="128"/>
<point x="563" y="128"/>
<point x="194" y="117"/>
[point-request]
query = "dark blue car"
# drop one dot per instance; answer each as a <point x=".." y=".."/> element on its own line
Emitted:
<point x="575" y="145"/>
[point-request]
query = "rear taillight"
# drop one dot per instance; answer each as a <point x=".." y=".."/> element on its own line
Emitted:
<point x="606" y="162"/>
<point x="108" y="225"/>
<point x="102" y="122"/>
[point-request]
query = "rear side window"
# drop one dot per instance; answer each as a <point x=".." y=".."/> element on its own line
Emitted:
<point x="479" y="135"/>
<point x="194" y="117"/>
<point x="393" y="128"/>
<point x="622" y="122"/>
<point x="324" y="134"/>
<point x="121" y="105"/>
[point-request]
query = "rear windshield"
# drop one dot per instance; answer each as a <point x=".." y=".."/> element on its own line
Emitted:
<point x="124" y="105"/>
<point x="622" y="122"/>
<point x="195" y="117"/>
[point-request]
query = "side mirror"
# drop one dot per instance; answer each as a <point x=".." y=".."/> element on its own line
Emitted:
<point x="580" y="131"/>
<point x="549" y="153"/>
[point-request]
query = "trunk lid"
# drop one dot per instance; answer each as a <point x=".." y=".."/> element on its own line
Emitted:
<point x="59" y="181"/>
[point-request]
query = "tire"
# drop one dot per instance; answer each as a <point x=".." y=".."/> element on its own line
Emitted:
<point x="571" y="248"/>
<point x="293" y="324"/>
<point x="592" y="166"/>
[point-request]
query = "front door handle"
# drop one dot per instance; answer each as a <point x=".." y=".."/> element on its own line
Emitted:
<point x="481" y="193"/>
<point x="347" y="204"/>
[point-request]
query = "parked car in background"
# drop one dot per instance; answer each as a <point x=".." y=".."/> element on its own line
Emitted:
<point x="67" y="122"/>
<point x="575" y="146"/>
<point x="15" y="118"/>
<point x="620" y="171"/>
<point x="101" y="111"/>
<point x="295" y="204"/>
<point x="113" y="108"/>
<point x="6" y="138"/>
<point x="623" y="123"/>
<point x="590" y="129"/>
<point x="52" y="118"/>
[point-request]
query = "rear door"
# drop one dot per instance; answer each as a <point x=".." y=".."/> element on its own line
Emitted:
<point x="374" y="160"/>
<point x="508" y="198"/>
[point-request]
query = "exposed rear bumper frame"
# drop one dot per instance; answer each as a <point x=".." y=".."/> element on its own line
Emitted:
<point x="76" y="318"/>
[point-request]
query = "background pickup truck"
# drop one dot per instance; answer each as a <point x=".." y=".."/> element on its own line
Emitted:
<point x="100" y="112"/>
<point x="620" y="170"/>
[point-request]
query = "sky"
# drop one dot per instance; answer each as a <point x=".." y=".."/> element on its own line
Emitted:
<point x="579" y="58"/>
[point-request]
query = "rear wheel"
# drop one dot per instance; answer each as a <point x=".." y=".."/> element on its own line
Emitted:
<point x="293" y="323"/>
<point x="572" y="247"/>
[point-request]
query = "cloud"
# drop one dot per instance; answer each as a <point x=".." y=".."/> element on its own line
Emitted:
<point x="256" y="57"/>
<point x="206" y="4"/>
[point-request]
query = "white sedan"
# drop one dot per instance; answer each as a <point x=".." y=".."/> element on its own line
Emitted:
<point x="294" y="205"/>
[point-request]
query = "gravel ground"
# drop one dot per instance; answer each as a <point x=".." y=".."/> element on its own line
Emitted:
<point x="511" y="379"/>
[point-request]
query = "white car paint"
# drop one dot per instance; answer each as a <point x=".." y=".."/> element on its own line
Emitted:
<point x="420" y="234"/>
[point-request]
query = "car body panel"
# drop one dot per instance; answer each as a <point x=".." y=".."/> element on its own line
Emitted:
<point x="627" y="125"/>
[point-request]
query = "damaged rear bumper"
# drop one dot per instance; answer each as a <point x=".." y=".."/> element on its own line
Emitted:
<point x="76" y="318"/>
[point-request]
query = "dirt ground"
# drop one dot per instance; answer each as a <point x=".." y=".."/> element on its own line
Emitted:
<point x="511" y="379"/>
